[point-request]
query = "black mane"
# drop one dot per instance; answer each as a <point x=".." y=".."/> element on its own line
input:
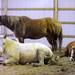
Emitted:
<point x="9" y="21"/>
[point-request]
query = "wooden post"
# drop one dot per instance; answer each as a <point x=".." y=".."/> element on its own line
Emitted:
<point x="4" y="7"/>
<point x="56" y="9"/>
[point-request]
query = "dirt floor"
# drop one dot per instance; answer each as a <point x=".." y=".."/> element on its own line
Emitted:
<point x="64" y="67"/>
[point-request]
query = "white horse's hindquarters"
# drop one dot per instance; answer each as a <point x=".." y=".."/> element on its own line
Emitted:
<point x="28" y="52"/>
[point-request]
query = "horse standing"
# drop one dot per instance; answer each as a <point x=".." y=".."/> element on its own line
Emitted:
<point x="25" y="27"/>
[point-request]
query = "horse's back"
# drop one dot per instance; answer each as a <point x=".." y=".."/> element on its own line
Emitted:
<point x="70" y="45"/>
<point x="29" y="51"/>
<point x="33" y="47"/>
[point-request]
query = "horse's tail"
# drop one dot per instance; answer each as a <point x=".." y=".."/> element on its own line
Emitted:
<point x="55" y="32"/>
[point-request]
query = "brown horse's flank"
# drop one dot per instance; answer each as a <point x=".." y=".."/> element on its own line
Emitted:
<point x="25" y="27"/>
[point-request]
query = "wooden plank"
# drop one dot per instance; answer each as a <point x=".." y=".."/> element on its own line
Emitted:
<point x="69" y="36"/>
<point x="66" y="9"/>
<point x="12" y="9"/>
<point x="59" y="9"/>
<point x="67" y="22"/>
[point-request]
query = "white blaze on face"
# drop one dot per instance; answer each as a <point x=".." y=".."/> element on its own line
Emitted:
<point x="1" y="51"/>
<point x="72" y="54"/>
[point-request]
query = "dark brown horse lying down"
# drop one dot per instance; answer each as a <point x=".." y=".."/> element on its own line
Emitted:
<point x="25" y="27"/>
<point x="70" y="51"/>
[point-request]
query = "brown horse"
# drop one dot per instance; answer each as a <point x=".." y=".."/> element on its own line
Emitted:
<point x="25" y="27"/>
<point x="70" y="50"/>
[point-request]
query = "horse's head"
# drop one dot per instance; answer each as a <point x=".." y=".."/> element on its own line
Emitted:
<point x="72" y="54"/>
<point x="8" y="44"/>
<point x="3" y="19"/>
<point x="70" y="51"/>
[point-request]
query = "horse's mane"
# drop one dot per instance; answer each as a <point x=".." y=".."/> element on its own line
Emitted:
<point x="9" y="42"/>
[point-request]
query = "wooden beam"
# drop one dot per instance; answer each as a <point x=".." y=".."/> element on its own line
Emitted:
<point x="69" y="36"/>
<point x="56" y="9"/>
<point x="12" y="9"/>
<point x="67" y="22"/>
<point x="66" y="9"/>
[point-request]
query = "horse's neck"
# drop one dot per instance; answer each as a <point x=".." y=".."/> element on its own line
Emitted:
<point x="8" y="26"/>
<point x="7" y="23"/>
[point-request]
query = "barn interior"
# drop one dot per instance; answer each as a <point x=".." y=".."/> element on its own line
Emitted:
<point x="61" y="10"/>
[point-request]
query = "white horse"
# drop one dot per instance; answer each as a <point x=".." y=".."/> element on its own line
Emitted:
<point x="23" y="53"/>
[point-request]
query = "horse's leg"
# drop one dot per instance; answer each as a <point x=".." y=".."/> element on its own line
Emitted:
<point x="21" y="40"/>
<point x="50" y="42"/>
<point x="10" y="61"/>
<point x="40" y="57"/>
<point x="53" y="47"/>
<point x="55" y="44"/>
<point x="60" y="40"/>
<point x="60" y="43"/>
